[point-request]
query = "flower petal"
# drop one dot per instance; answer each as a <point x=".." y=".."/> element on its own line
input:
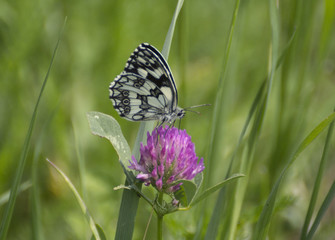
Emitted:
<point x="168" y="156"/>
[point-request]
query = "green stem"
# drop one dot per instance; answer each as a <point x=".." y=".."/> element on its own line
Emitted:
<point x="160" y="218"/>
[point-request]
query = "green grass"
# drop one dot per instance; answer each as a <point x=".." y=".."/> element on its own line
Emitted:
<point x="265" y="137"/>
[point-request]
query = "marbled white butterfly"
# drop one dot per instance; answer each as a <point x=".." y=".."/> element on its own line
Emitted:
<point x="146" y="90"/>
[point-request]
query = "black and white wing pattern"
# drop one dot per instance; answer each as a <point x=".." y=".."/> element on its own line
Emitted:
<point x="146" y="90"/>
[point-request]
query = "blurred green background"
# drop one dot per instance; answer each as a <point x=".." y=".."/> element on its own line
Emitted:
<point x="99" y="37"/>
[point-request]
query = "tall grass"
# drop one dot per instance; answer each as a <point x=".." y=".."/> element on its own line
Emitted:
<point x="272" y="131"/>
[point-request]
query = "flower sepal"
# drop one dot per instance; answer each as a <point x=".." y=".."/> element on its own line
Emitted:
<point x="164" y="208"/>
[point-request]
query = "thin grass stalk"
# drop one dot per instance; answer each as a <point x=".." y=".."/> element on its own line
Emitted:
<point x="301" y="69"/>
<point x="81" y="163"/>
<point x="245" y="167"/>
<point x="325" y="205"/>
<point x="23" y="158"/>
<point x="248" y="152"/>
<point x="160" y="218"/>
<point x="183" y="50"/>
<point x="253" y="108"/>
<point x="219" y="96"/>
<point x="81" y="202"/>
<point x="35" y="196"/>
<point x="36" y="221"/>
<point x="264" y="220"/>
<point x="317" y="184"/>
<point x="212" y="229"/>
<point x="253" y="111"/>
<point x="327" y="28"/>
<point x="221" y="201"/>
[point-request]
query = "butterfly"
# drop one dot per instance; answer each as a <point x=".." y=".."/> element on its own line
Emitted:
<point x="146" y="89"/>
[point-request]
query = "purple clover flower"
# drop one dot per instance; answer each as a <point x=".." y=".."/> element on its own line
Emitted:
<point x="169" y="156"/>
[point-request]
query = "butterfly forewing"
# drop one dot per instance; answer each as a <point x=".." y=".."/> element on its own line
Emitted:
<point x="145" y="90"/>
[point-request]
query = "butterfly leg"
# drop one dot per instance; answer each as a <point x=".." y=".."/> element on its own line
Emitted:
<point x="170" y="125"/>
<point x="157" y="126"/>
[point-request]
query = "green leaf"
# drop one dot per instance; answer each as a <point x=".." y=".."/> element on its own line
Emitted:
<point x="80" y="201"/>
<point x="107" y="127"/>
<point x="198" y="179"/>
<point x="186" y="192"/>
<point x="189" y="189"/>
<point x="213" y="189"/>
<point x="180" y="195"/>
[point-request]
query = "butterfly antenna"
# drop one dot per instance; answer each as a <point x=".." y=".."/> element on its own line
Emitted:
<point x="201" y="105"/>
<point x="158" y="124"/>
<point x="192" y="111"/>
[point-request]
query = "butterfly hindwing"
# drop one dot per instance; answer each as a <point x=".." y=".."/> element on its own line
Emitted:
<point x="136" y="99"/>
<point x="145" y="90"/>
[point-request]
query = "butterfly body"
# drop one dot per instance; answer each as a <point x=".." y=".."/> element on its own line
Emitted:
<point x="145" y="90"/>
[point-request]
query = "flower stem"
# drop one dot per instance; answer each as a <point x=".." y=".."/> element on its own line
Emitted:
<point x="160" y="218"/>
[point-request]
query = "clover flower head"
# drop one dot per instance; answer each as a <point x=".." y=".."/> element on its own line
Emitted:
<point x="168" y="157"/>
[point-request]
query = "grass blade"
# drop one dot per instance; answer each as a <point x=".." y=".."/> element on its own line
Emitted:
<point x="213" y="189"/>
<point x="325" y="205"/>
<point x="35" y="196"/>
<point x="36" y="221"/>
<point x="218" y="209"/>
<point x="169" y="35"/>
<point x="249" y="150"/>
<point x="317" y="184"/>
<point x="263" y="223"/>
<point x="219" y="96"/>
<point x="22" y="162"/>
<point x="79" y="200"/>
<point x="220" y="201"/>
<point x="212" y="228"/>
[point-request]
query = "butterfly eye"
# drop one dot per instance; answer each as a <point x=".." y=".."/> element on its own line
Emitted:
<point x="180" y="114"/>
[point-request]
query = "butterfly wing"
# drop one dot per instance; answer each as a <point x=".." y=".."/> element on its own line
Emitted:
<point x="137" y="99"/>
<point x="145" y="90"/>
